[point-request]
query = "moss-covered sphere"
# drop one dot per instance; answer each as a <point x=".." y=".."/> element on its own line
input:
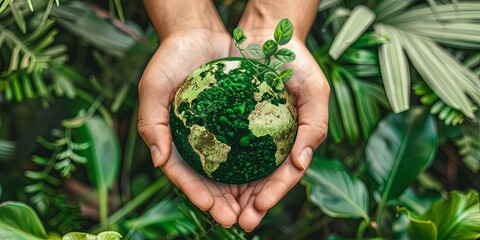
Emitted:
<point x="229" y="124"/>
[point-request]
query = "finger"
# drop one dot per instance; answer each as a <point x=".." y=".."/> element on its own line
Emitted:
<point x="225" y="208"/>
<point x="278" y="185"/>
<point x="312" y="92"/>
<point x="190" y="182"/>
<point x="153" y="116"/>
<point x="250" y="217"/>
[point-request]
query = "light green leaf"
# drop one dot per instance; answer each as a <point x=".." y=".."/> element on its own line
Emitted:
<point x="394" y="68"/>
<point x="283" y="32"/>
<point x="275" y="64"/>
<point x="326" y="4"/>
<point x="418" y="204"/>
<point x="360" y="19"/>
<point x="18" y="18"/>
<point x="254" y="51"/>
<point x="285" y="55"/>
<point x="423" y="13"/>
<point x="444" y="74"/>
<point x="107" y="235"/>
<point x="400" y="148"/>
<point x="20" y="221"/>
<point x="422" y="229"/>
<point x="388" y="8"/>
<point x="239" y="36"/>
<point x="457" y="217"/>
<point x="286" y="74"/>
<point x="335" y="192"/>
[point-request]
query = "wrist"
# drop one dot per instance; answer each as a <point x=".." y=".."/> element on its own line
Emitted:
<point x="264" y="15"/>
<point x="170" y="17"/>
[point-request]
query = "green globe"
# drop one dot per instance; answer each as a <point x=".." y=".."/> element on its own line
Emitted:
<point x="229" y="124"/>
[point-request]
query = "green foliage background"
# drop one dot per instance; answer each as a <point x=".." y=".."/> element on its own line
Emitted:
<point x="401" y="159"/>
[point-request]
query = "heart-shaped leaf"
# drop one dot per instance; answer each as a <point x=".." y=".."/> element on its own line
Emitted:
<point x="399" y="149"/>
<point x="335" y="192"/>
<point x="20" y="221"/>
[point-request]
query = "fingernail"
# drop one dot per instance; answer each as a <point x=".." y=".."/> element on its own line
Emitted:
<point x="305" y="157"/>
<point x="155" y="155"/>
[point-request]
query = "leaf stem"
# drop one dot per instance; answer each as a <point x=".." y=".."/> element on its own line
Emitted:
<point x="361" y="229"/>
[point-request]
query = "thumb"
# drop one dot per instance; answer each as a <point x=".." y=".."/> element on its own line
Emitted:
<point x="153" y="112"/>
<point x="312" y="103"/>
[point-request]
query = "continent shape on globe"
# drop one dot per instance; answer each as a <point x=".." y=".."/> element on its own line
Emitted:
<point x="229" y="124"/>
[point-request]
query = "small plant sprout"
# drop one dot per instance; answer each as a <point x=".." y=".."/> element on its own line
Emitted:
<point x="273" y="57"/>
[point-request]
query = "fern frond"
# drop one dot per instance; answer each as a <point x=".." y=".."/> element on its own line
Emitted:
<point x="469" y="146"/>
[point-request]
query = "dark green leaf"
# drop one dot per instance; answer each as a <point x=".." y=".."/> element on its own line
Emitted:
<point x="19" y="18"/>
<point x="335" y="192"/>
<point x="346" y="106"/>
<point x="20" y="221"/>
<point x="270" y="78"/>
<point x="269" y="48"/>
<point x="255" y="51"/>
<point x="400" y="148"/>
<point x="285" y="55"/>
<point x="283" y="32"/>
<point x="239" y="36"/>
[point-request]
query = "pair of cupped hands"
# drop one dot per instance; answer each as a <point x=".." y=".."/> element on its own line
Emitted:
<point x="179" y="54"/>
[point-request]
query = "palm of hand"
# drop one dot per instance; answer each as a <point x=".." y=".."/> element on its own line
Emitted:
<point x="227" y="203"/>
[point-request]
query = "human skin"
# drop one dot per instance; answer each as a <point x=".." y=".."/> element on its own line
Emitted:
<point x="191" y="34"/>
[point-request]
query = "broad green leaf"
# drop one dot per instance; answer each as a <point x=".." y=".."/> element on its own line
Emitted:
<point x="103" y="157"/>
<point x="285" y="55"/>
<point x="400" y="148"/>
<point x="104" y="162"/>
<point x="418" y="204"/>
<point x="107" y="235"/>
<point x="254" y="51"/>
<point x="360" y="19"/>
<point x="335" y="192"/>
<point x="394" y="68"/>
<point x="444" y="74"/>
<point x="161" y="220"/>
<point x="239" y="36"/>
<point x="457" y="217"/>
<point x="20" y="221"/>
<point x="421" y="229"/>
<point x="283" y="32"/>
<point x="269" y="48"/>
<point x="346" y="106"/>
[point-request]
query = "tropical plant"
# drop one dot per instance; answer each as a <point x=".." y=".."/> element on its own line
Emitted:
<point x="401" y="160"/>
